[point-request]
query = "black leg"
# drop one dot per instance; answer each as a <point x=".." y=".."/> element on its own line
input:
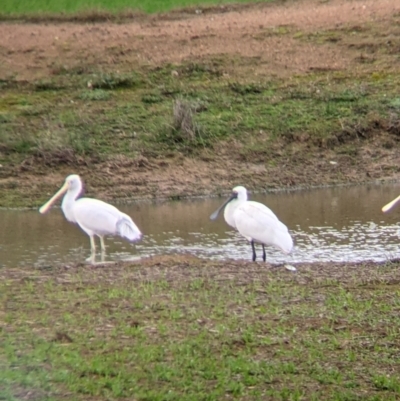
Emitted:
<point x="254" y="251"/>
<point x="264" y="255"/>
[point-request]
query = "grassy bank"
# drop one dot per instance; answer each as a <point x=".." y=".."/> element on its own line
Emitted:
<point x="124" y="114"/>
<point x="131" y="119"/>
<point x="106" y="112"/>
<point x="181" y="328"/>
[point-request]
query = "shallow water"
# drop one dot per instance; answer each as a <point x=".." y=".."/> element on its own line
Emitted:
<point x="330" y="224"/>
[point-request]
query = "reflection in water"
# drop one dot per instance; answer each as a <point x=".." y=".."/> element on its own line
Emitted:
<point x="334" y="224"/>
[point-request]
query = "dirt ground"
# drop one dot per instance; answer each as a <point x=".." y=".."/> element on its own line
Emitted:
<point x="31" y="51"/>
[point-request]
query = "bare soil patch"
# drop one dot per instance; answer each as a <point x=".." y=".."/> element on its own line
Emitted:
<point x="182" y="268"/>
<point x="33" y="50"/>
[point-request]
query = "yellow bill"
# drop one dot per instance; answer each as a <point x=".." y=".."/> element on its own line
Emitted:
<point x="387" y="207"/>
<point x="45" y="208"/>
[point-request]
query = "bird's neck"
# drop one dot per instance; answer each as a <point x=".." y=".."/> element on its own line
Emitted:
<point x="230" y="210"/>
<point x="67" y="204"/>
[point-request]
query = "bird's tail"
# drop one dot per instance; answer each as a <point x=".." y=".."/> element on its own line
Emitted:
<point x="283" y="240"/>
<point x="126" y="228"/>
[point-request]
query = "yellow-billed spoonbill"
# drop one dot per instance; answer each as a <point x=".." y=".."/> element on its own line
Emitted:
<point x="93" y="216"/>
<point x="255" y="221"/>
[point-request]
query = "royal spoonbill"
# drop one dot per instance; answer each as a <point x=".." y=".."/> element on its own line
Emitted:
<point x="93" y="216"/>
<point x="255" y="221"/>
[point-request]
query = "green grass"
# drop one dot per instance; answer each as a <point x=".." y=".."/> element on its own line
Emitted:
<point x="134" y="112"/>
<point x="12" y="7"/>
<point x="196" y="330"/>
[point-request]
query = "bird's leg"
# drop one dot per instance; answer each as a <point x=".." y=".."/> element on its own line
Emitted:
<point x="264" y="255"/>
<point x="92" y="249"/>
<point x="103" y="248"/>
<point x="254" y="251"/>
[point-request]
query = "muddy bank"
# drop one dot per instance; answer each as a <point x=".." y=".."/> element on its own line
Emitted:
<point x="180" y="268"/>
<point x="184" y="177"/>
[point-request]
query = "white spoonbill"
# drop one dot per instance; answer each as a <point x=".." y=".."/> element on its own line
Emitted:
<point x="93" y="216"/>
<point x="255" y="221"/>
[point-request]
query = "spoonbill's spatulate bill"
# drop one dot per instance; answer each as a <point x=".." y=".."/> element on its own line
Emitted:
<point x="391" y="204"/>
<point x="93" y="216"/>
<point x="255" y="221"/>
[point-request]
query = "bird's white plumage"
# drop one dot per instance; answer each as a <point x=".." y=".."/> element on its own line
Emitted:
<point x="94" y="216"/>
<point x="255" y="221"/>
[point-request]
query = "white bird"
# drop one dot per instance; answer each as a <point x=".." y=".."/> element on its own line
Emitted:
<point x="255" y="221"/>
<point x="93" y="216"/>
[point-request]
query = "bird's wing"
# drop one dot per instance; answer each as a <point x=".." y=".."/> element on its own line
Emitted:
<point x="256" y="221"/>
<point x="101" y="218"/>
<point x="128" y="229"/>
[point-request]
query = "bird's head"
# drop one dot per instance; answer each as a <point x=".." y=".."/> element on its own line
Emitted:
<point x="72" y="183"/>
<point x="239" y="193"/>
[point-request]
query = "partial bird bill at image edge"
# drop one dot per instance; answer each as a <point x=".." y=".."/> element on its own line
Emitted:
<point x="391" y="205"/>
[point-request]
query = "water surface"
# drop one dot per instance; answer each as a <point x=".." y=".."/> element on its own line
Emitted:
<point x="331" y="224"/>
